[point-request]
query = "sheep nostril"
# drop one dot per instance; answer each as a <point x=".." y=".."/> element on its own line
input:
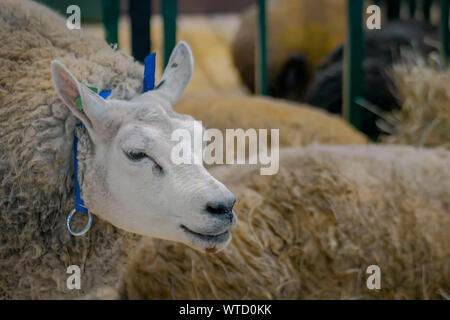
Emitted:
<point x="214" y="207"/>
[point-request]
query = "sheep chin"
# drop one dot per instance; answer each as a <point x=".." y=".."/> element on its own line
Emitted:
<point x="208" y="244"/>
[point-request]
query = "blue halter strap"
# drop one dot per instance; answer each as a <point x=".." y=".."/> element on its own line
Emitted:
<point x="148" y="84"/>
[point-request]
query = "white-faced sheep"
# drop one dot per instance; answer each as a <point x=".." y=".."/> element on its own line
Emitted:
<point x="312" y="230"/>
<point x="126" y="175"/>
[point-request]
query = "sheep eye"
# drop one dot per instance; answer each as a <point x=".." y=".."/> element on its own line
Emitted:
<point x="139" y="156"/>
<point x="136" y="155"/>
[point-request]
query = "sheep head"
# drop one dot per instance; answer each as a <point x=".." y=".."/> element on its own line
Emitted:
<point x="131" y="179"/>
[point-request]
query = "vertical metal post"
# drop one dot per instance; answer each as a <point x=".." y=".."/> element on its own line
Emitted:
<point x="353" y="64"/>
<point x="393" y="9"/>
<point x="110" y="15"/>
<point x="140" y="12"/>
<point x="261" y="50"/>
<point x="427" y="9"/>
<point x="169" y="10"/>
<point x="444" y="29"/>
<point x="412" y="8"/>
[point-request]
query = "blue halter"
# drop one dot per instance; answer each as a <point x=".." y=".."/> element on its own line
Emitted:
<point x="148" y="84"/>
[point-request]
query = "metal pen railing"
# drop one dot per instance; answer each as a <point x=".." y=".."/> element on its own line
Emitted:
<point x="353" y="82"/>
<point x="261" y="50"/>
<point x="110" y="16"/>
<point x="169" y="9"/>
<point x="169" y="12"/>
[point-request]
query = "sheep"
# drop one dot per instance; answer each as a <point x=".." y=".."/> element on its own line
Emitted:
<point x="424" y="117"/>
<point x="383" y="48"/>
<point x="300" y="33"/>
<point x="126" y="174"/>
<point x="299" y="125"/>
<point x="294" y="124"/>
<point x="305" y="54"/>
<point x="312" y="231"/>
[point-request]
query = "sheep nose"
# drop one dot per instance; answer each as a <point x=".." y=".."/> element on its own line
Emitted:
<point x="221" y="207"/>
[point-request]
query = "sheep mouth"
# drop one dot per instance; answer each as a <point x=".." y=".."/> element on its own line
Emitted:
<point x="206" y="238"/>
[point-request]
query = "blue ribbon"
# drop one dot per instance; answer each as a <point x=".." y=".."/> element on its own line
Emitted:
<point x="148" y="84"/>
<point x="149" y="72"/>
<point x="79" y="203"/>
<point x="105" y="94"/>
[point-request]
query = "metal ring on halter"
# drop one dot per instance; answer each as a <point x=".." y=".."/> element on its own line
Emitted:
<point x="86" y="227"/>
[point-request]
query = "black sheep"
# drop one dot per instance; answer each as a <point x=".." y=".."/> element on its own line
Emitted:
<point x="382" y="49"/>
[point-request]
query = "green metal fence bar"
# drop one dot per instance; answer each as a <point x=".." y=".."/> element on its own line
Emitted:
<point x="169" y="10"/>
<point x="393" y="9"/>
<point x="261" y="50"/>
<point x="140" y="13"/>
<point x="412" y="8"/>
<point x="426" y="7"/>
<point x="353" y="63"/>
<point x="445" y="30"/>
<point x="110" y="15"/>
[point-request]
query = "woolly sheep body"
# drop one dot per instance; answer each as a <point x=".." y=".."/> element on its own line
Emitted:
<point x="310" y="28"/>
<point x="311" y="231"/>
<point x="36" y="159"/>
<point x="299" y="125"/>
<point x="424" y="117"/>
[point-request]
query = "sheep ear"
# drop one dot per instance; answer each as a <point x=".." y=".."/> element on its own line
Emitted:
<point x="94" y="115"/>
<point x="177" y="74"/>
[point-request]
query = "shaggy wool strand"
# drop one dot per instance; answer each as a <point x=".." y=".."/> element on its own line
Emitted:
<point x="424" y="117"/>
<point x="311" y="231"/>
